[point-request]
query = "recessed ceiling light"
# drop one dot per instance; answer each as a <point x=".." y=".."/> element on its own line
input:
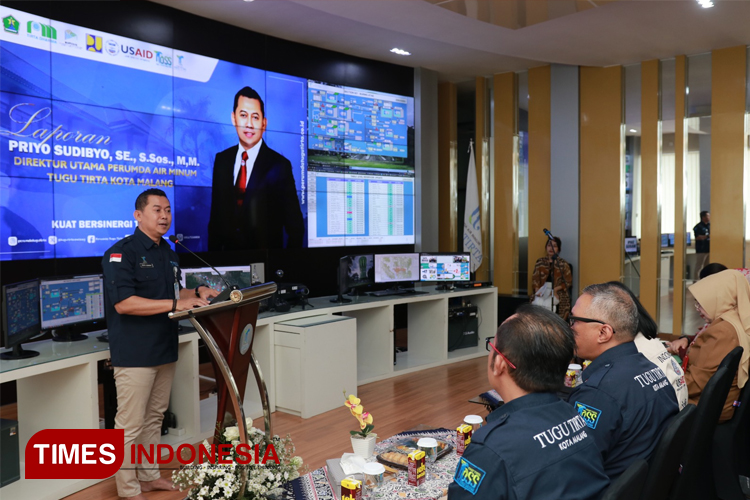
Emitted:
<point x="249" y="0"/>
<point x="633" y="130"/>
<point x="400" y="52"/>
<point x="706" y="4"/>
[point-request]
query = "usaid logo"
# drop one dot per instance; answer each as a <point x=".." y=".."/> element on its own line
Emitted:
<point x="111" y="47"/>
<point x="136" y="52"/>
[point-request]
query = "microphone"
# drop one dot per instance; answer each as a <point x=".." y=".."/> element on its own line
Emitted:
<point x="546" y="231"/>
<point x="224" y="295"/>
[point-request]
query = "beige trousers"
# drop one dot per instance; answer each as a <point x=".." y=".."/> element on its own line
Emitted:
<point x="142" y="399"/>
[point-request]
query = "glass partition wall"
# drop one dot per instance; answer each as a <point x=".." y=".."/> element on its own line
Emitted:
<point x="632" y="261"/>
<point x="522" y="176"/>
<point x="666" y="194"/>
<point x="697" y="177"/>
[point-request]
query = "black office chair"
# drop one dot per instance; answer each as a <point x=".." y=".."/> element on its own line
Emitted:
<point x="696" y="478"/>
<point x="729" y="443"/>
<point x="664" y="464"/>
<point x="630" y="483"/>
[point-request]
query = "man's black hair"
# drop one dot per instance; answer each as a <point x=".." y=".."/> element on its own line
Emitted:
<point x="540" y="344"/>
<point x="250" y="93"/>
<point x="704" y="213"/>
<point x="712" y="268"/>
<point x="646" y="324"/>
<point x="142" y="201"/>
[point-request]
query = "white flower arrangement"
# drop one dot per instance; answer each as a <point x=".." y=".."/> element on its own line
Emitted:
<point x="208" y="481"/>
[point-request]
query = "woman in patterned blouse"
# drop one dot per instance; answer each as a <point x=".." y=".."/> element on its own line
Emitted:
<point x="561" y="279"/>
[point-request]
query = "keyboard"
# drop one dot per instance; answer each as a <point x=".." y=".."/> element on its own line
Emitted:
<point x="408" y="291"/>
<point x="383" y="293"/>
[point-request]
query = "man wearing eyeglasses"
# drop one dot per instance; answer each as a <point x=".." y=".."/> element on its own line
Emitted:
<point x="625" y="399"/>
<point x="535" y="445"/>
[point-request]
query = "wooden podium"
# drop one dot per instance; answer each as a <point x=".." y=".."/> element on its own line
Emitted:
<point x="228" y="329"/>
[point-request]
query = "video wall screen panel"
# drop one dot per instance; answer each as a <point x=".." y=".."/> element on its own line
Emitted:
<point x="88" y="120"/>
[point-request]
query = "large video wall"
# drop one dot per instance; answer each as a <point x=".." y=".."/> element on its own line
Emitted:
<point x="89" y="119"/>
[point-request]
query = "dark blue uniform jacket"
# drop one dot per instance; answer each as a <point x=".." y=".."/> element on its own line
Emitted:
<point x="136" y="265"/>
<point x="626" y="401"/>
<point x="534" y="447"/>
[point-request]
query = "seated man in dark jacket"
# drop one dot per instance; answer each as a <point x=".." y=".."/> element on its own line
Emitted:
<point x="535" y="445"/>
<point x="625" y="399"/>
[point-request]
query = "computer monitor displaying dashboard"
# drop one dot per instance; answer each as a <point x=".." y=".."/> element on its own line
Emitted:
<point x="241" y="276"/>
<point x="396" y="267"/>
<point x="20" y="318"/>
<point x="445" y="267"/>
<point x="670" y="239"/>
<point x="665" y="240"/>
<point x="68" y="301"/>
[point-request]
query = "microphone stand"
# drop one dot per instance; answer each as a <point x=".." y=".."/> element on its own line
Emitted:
<point x="632" y="263"/>
<point x="552" y="273"/>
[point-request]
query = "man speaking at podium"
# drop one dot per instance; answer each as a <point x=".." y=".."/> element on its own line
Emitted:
<point x="253" y="199"/>
<point x="142" y="285"/>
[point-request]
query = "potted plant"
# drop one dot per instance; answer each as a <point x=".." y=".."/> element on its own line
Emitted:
<point x="207" y="481"/>
<point x="363" y="440"/>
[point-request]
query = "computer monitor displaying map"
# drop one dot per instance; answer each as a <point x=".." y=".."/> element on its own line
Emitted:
<point x="396" y="267"/>
<point x="65" y="302"/>
<point x="241" y="276"/>
<point x="445" y="267"/>
<point x="20" y="318"/>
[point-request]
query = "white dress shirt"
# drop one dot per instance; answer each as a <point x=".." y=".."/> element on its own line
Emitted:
<point x="252" y="155"/>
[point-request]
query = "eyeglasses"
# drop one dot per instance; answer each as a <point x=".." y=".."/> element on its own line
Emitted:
<point x="572" y="320"/>
<point x="488" y="343"/>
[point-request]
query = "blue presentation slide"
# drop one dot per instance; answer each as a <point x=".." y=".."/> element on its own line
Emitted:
<point x="88" y="120"/>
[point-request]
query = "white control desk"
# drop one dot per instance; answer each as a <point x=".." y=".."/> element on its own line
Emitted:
<point x="58" y="389"/>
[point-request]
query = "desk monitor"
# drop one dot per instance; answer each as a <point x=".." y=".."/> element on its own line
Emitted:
<point x="241" y="276"/>
<point x="396" y="267"/>
<point x="20" y="318"/>
<point x="355" y="272"/>
<point x="445" y="268"/>
<point x="631" y="245"/>
<point x="670" y="237"/>
<point x="665" y="240"/>
<point x="688" y="239"/>
<point x="68" y="304"/>
<point x="358" y="270"/>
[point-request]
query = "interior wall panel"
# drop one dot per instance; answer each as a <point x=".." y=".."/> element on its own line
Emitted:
<point x="602" y="175"/>
<point x="650" y="167"/>
<point x="447" y="166"/>
<point x="539" y="163"/>
<point x="680" y="156"/>
<point x="728" y="80"/>
<point x="505" y="217"/>
<point x="565" y="163"/>
<point x="482" y="159"/>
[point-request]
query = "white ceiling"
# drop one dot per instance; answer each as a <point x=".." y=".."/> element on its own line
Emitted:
<point x="459" y="48"/>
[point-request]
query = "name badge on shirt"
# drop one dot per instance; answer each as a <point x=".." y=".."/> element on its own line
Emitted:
<point x="144" y="264"/>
